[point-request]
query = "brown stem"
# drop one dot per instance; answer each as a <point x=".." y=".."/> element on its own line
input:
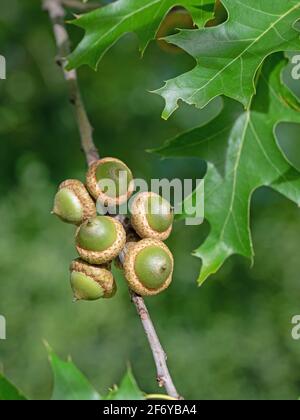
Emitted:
<point x="57" y="13"/>
<point x="160" y="358"/>
<point x="163" y="376"/>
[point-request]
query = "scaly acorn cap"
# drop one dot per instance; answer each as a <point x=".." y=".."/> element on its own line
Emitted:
<point x="101" y="239"/>
<point x="148" y="267"/>
<point x="91" y="283"/>
<point x="152" y="216"/>
<point x="72" y="203"/>
<point x="110" y="169"/>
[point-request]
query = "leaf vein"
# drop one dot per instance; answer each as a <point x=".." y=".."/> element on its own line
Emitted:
<point x="255" y="41"/>
<point x="235" y="175"/>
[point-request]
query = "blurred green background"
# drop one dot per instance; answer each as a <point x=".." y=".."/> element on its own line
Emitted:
<point x="230" y="339"/>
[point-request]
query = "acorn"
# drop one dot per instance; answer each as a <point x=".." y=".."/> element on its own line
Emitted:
<point x="114" y="170"/>
<point x="91" y="282"/>
<point x="148" y="267"/>
<point x="72" y="203"/>
<point x="99" y="240"/>
<point x="152" y="216"/>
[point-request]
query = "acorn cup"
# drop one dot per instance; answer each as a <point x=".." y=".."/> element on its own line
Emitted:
<point x="90" y="282"/>
<point x="100" y="240"/>
<point x="116" y="173"/>
<point x="152" y="216"/>
<point x="148" y="267"/>
<point x="72" y="203"/>
<point x="148" y="263"/>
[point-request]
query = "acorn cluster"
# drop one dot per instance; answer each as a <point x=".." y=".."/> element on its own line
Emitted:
<point x="147" y="262"/>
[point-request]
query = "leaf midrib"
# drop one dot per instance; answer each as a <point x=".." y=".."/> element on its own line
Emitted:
<point x="236" y="167"/>
<point x="201" y="142"/>
<point x="124" y="18"/>
<point x="273" y="25"/>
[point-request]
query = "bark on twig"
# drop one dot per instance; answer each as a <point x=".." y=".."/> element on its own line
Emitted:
<point x="163" y="376"/>
<point x="56" y="13"/>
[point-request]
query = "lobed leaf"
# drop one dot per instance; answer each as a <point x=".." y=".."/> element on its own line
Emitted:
<point x="242" y="154"/>
<point x="69" y="383"/>
<point x="228" y="56"/>
<point x="128" y="389"/>
<point x="8" y="391"/>
<point x="104" y="26"/>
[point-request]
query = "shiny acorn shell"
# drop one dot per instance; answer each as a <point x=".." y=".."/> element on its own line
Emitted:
<point x="132" y="252"/>
<point x="98" y="281"/>
<point x="95" y="190"/>
<point x="107" y="255"/>
<point x="140" y="221"/>
<point x="88" y="207"/>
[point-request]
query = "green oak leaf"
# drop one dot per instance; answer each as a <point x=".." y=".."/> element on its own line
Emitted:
<point x="229" y="55"/>
<point x="69" y="383"/>
<point x="242" y="154"/>
<point x="106" y="25"/>
<point x="8" y="391"/>
<point x="128" y="389"/>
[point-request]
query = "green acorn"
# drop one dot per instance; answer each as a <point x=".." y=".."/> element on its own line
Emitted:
<point x="152" y="216"/>
<point x="72" y="203"/>
<point x="148" y="267"/>
<point x="91" y="282"/>
<point x="101" y="239"/>
<point x="114" y="170"/>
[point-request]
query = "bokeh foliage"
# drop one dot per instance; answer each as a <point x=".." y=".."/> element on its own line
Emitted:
<point x="229" y="339"/>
